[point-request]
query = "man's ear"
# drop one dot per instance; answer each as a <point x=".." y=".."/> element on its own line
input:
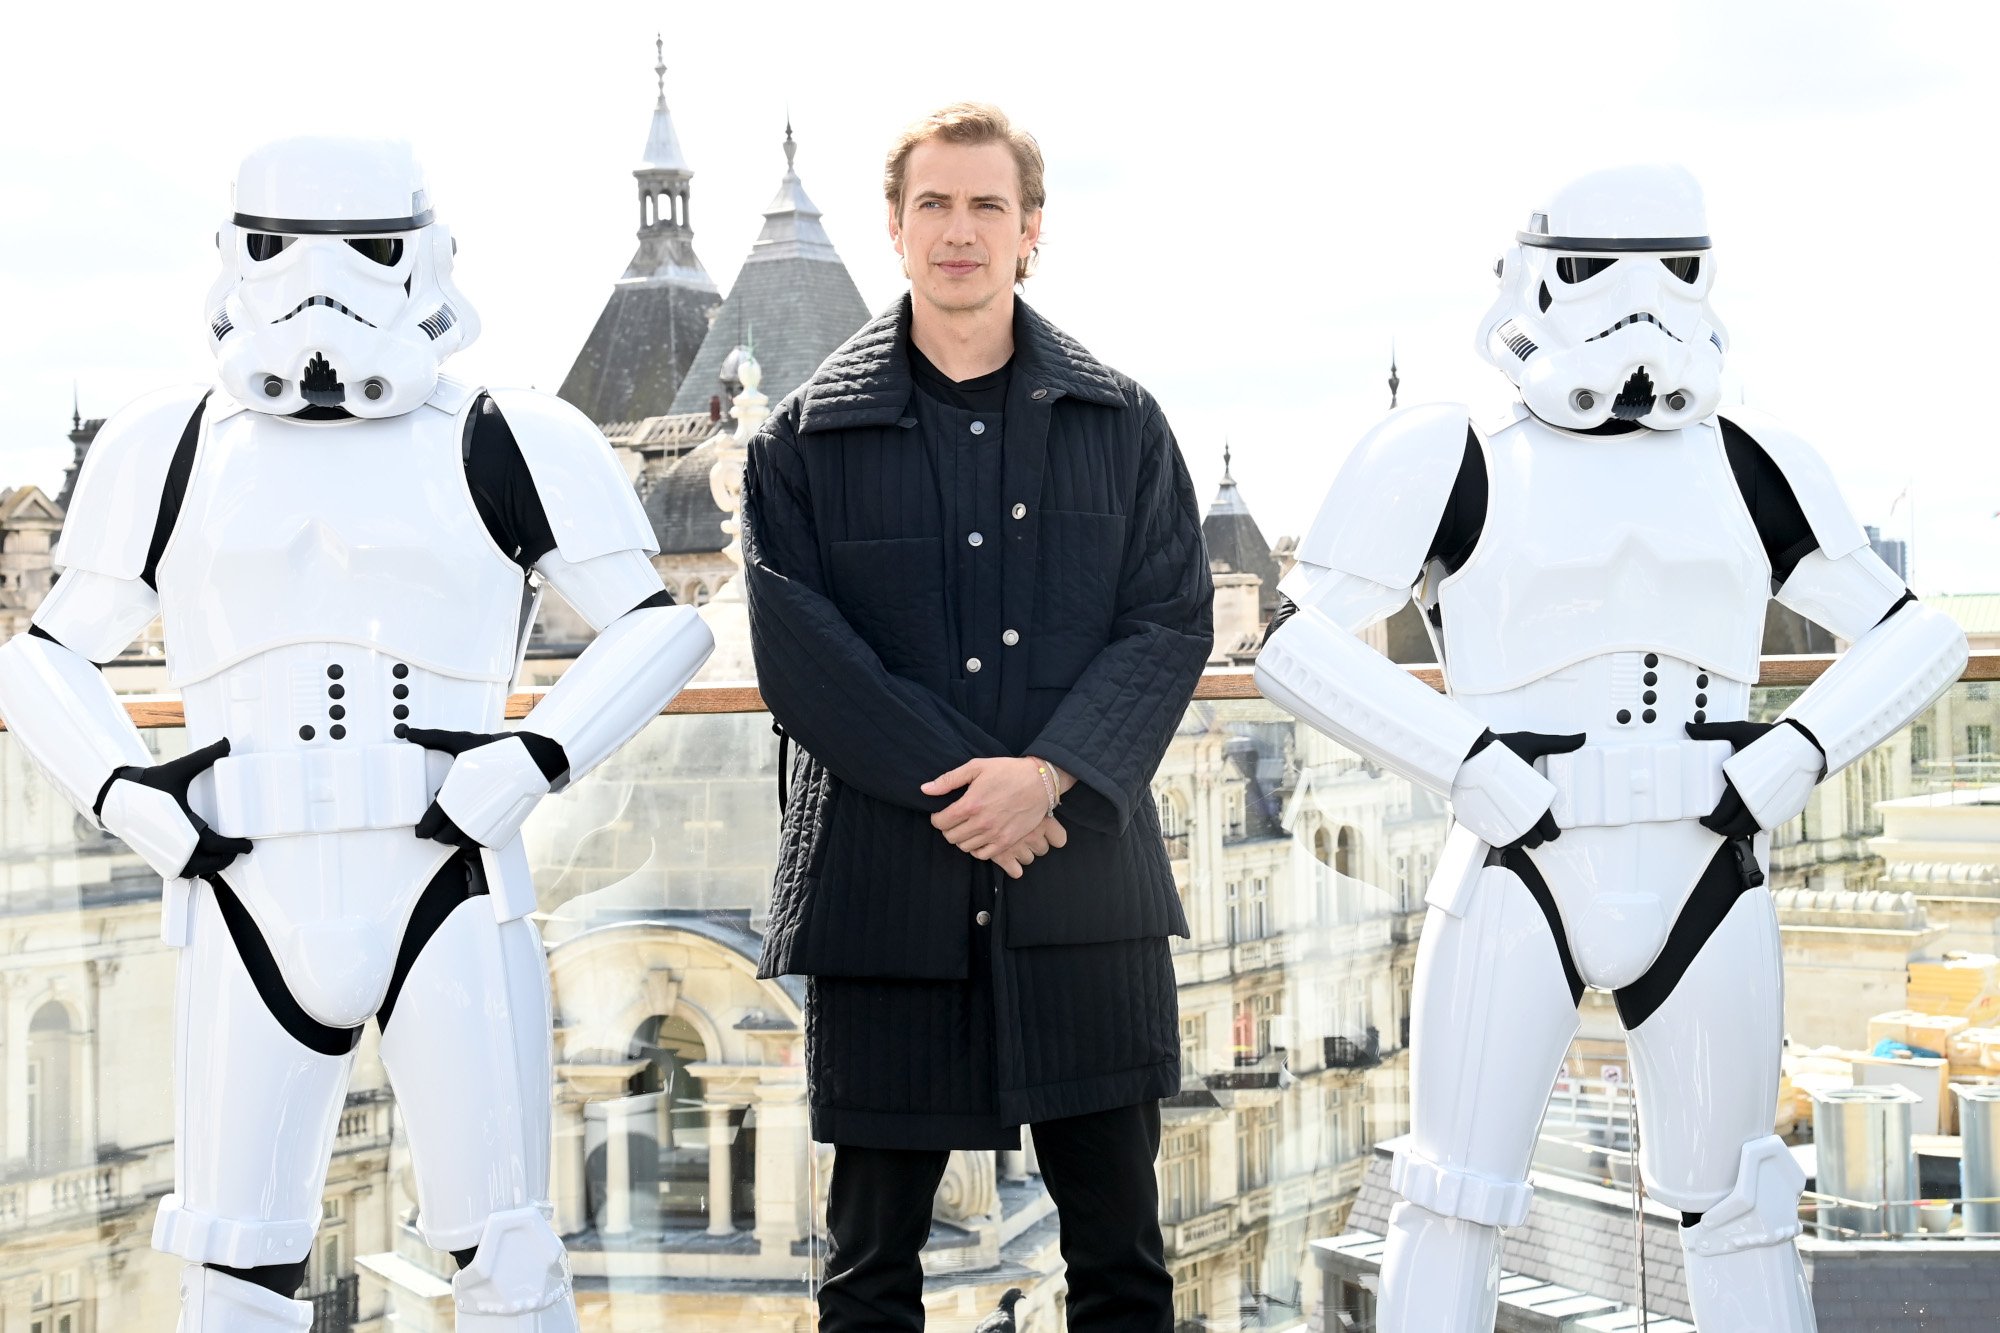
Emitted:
<point x="1031" y="232"/>
<point x="895" y="229"/>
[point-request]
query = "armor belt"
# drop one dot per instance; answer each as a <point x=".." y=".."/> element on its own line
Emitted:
<point x="1636" y="784"/>
<point x="320" y="790"/>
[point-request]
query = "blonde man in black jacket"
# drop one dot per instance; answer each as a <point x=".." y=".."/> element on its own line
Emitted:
<point x="979" y="603"/>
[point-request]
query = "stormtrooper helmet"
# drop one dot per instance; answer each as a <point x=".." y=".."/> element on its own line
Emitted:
<point x="1603" y="308"/>
<point x="335" y="290"/>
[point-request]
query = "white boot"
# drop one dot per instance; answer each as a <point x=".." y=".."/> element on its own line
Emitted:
<point x="1439" y="1274"/>
<point x="213" y="1302"/>
<point x="1761" y="1290"/>
<point x="518" y="1280"/>
<point x="1743" y="1271"/>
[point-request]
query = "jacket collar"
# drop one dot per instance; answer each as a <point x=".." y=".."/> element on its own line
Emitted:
<point x="868" y="381"/>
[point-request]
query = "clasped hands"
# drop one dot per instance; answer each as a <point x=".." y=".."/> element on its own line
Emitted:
<point x="1002" y="815"/>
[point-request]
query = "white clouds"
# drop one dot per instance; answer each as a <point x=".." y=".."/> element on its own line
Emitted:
<point x="1246" y="203"/>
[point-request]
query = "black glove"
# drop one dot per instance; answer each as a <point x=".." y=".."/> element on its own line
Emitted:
<point x="1731" y="818"/>
<point x="1528" y="746"/>
<point x="212" y="851"/>
<point x="436" y="824"/>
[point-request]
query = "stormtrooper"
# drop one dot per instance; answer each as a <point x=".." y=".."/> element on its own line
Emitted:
<point x="1593" y="571"/>
<point x="345" y="549"/>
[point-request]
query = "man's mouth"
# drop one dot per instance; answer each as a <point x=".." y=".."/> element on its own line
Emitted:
<point x="326" y="301"/>
<point x="1639" y="317"/>
<point x="958" y="265"/>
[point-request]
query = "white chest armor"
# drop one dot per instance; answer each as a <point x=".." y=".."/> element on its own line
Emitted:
<point x="1596" y="545"/>
<point x="358" y="532"/>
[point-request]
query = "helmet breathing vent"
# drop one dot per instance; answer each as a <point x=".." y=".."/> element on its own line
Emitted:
<point x="219" y="325"/>
<point x="1519" y="343"/>
<point x="1715" y="338"/>
<point x="320" y="386"/>
<point x="440" y="321"/>
<point x="1635" y="400"/>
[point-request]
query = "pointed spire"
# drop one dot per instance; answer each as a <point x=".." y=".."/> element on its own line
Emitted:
<point x="1228" y="500"/>
<point x="791" y="220"/>
<point x="75" y="408"/>
<point x="1394" y="382"/>
<point x="663" y="146"/>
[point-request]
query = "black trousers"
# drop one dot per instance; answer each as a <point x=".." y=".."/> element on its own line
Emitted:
<point x="1098" y="1169"/>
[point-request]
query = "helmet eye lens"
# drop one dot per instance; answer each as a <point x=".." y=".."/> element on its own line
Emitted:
<point x="1685" y="267"/>
<point x="384" y="250"/>
<point x="265" y="245"/>
<point x="1577" y="268"/>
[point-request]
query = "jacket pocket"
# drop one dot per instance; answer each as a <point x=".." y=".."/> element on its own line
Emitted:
<point x="1081" y="556"/>
<point x="892" y="592"/>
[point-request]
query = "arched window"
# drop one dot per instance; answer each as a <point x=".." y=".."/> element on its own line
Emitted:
<point x="1343" y="852"/>
<point x="1173" y="823"/>
<point x="52" y="1132"/>
<point x="699" y="597"/>
<point x="679" y="1131"/>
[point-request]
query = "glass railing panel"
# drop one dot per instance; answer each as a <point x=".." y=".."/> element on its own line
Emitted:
<point x="684" y="1179"/>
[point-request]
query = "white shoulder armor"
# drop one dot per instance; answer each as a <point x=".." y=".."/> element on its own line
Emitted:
<point x="1811" y="480"/>
<point x="591" y="505"/>
<point x="117" y="500"/>
<point x="1379" y="516"/>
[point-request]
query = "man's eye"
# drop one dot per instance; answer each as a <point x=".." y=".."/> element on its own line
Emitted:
<point x="264" y="245"/>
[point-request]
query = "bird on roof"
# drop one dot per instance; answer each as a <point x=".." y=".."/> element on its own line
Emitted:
<point x="1002" y="1319"/>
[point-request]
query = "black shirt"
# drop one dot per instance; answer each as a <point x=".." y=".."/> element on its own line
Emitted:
<point x="982" y="393"/>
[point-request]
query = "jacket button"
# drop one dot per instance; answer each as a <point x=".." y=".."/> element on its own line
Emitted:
<point x="1020" y="511"/>
<point x="1039" y="394"/>
<point x="1011" y="637"/>
<point x="978" y="428"/>
<point x="984" y="918"/>
<point x="972" y="664"/>
<point x="974" y="539"/>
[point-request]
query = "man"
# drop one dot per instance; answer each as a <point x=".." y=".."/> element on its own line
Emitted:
<point x="339" y="541"/>
<point x="979" y="602"/>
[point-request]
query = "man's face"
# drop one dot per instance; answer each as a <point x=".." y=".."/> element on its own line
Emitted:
<point x="961" y="231"/>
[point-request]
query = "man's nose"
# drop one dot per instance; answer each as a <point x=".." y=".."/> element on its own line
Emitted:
<point x="959" y="229"/>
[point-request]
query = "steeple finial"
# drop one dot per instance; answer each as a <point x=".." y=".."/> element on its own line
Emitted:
<point x="660" y="66"/>
<point x="75" y="408"/>
<point x="1394" y="382"/>
<point x="791" y="148"/>
<point x="1227" y="480"/>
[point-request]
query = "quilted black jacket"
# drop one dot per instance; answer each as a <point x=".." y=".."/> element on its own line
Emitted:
<point x="1105" y="569"/>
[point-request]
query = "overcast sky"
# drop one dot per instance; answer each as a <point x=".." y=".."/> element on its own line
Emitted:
<point x="1247" y="206"/>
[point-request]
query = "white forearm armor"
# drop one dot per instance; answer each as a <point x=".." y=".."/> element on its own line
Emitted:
<point x="57" y="702"/>
<point x="641" y="658"/>
<point x="1892" y="673"/>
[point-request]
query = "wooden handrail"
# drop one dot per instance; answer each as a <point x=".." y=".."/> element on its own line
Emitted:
<point x="1219" y="684"/>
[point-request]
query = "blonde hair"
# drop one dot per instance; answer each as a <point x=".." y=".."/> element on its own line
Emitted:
<point x="970" y="123"/>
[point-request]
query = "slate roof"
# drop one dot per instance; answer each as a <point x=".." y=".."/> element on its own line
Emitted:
<point x="793" y="300"/>
<point x="1235" y="540"/>
<point x="636" y="356"/>
<point x="680" y="506"/>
